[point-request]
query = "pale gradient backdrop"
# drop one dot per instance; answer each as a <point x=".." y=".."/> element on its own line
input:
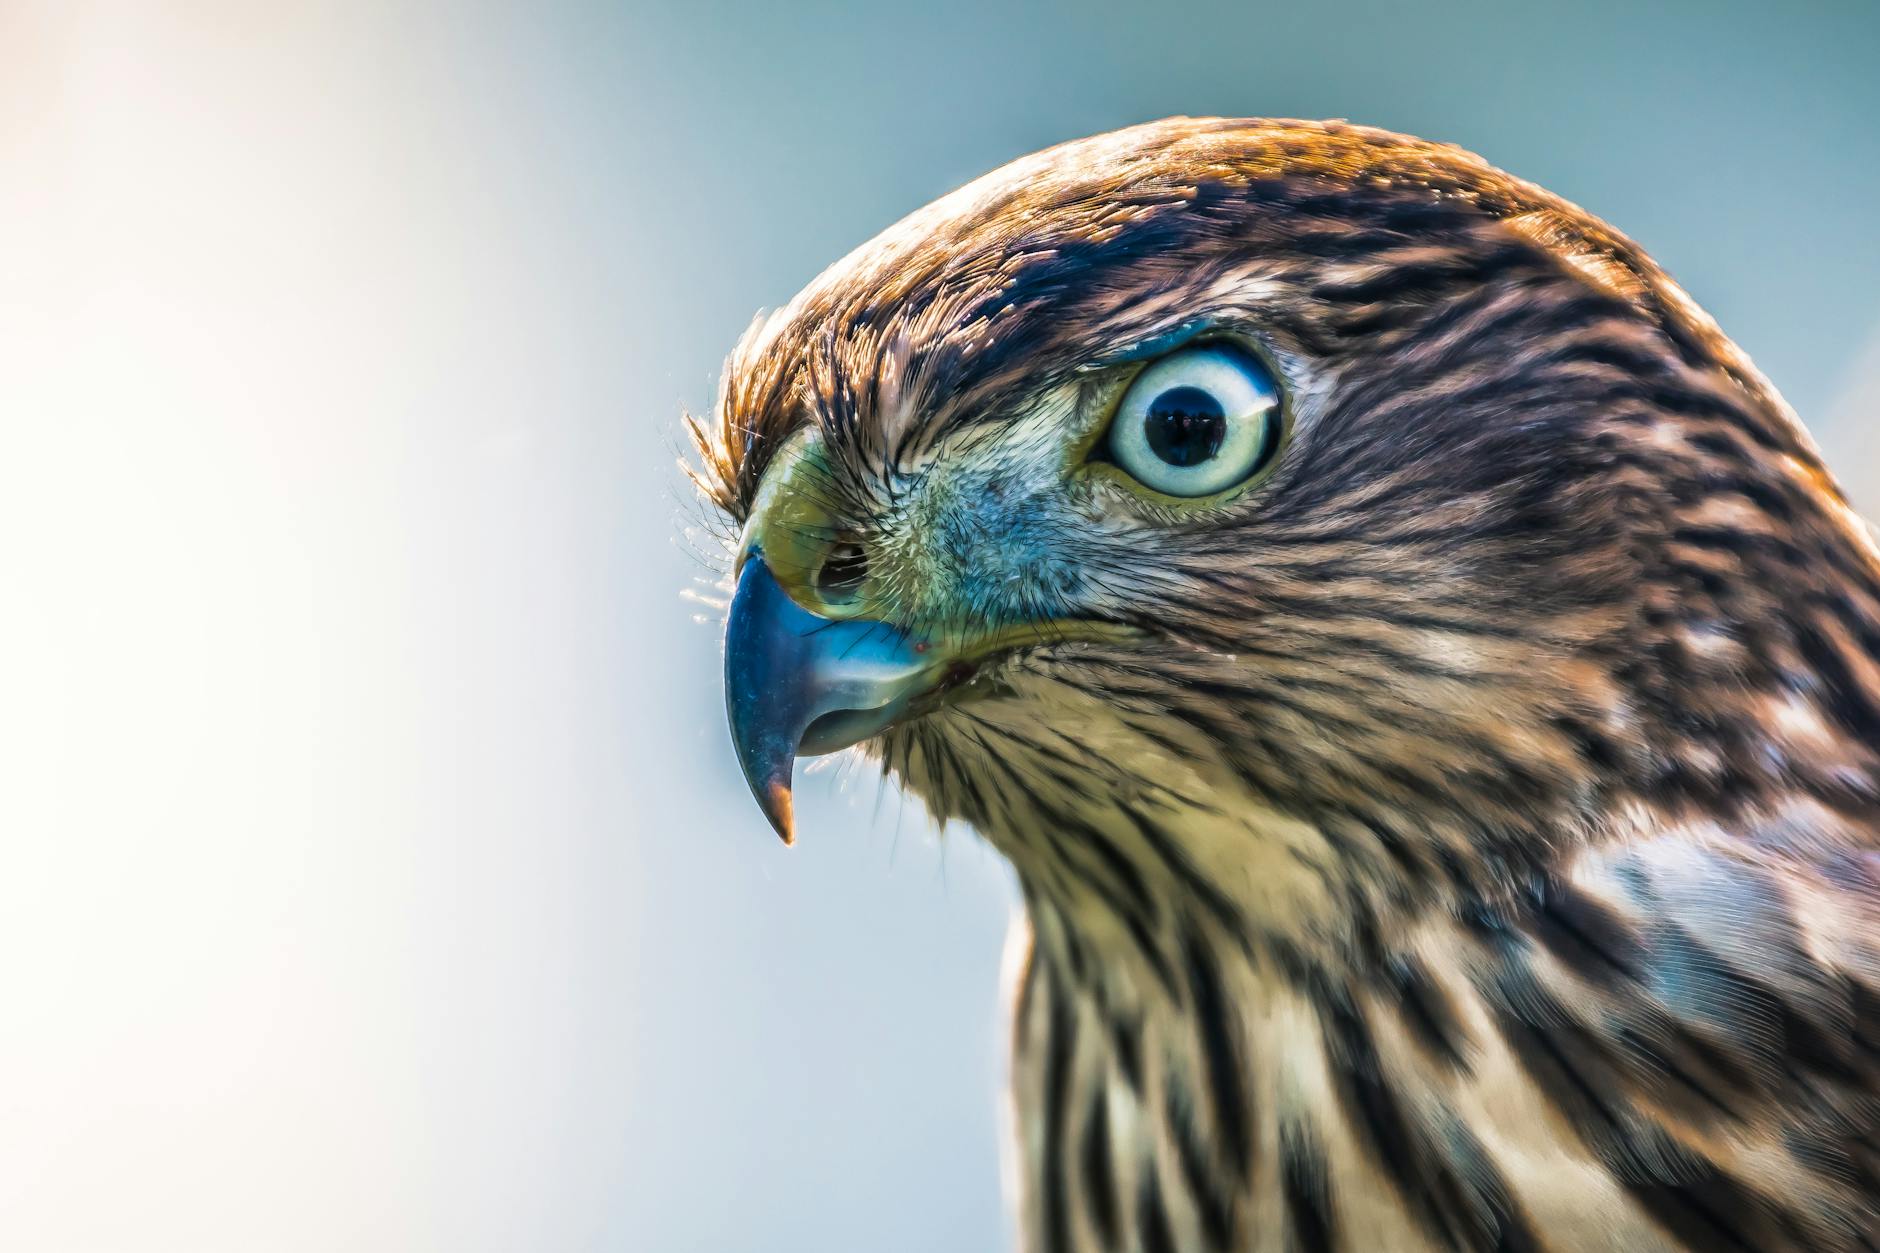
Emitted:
<point x="374" y="872"/>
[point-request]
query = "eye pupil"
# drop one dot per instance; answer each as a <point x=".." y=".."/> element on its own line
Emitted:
<point x="1185" y="426"/>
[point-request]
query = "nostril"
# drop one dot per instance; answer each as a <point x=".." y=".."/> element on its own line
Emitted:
<point x="842" y="572"/>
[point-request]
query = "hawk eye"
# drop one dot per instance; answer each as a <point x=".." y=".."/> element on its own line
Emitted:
<point x="1198" y="422"/>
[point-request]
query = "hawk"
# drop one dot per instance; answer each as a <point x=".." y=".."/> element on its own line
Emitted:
<point x="1424" y="677"/>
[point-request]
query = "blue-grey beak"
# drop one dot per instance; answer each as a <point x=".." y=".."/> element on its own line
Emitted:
<point x="800" y="685"/>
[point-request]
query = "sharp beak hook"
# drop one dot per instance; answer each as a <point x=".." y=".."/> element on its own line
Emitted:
<point x="799" y="684"/>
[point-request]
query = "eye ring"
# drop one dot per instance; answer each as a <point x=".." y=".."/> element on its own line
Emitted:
<point x="1203" y="420"/>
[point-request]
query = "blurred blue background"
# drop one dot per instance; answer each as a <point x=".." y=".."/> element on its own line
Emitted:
<point x="374" y="871"/>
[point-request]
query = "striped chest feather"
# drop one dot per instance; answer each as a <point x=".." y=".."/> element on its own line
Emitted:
<point x="1224" y="1043"/>
<point x="1256" y="1110"/>
<point x="1575" y="1075"/>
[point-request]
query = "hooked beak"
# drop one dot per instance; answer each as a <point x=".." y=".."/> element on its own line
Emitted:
<point x="801" y="685"/>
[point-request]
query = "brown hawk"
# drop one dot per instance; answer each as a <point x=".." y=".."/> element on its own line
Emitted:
<point x="1423" y="675"/>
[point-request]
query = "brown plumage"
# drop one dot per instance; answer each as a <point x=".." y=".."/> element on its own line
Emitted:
<point x="1465" y="833"/>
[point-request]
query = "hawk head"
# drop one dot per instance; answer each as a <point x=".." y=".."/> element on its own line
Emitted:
<point x="1221" y="467"/>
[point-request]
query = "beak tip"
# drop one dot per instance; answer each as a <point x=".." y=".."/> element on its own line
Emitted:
<point x="780" y="808"/>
